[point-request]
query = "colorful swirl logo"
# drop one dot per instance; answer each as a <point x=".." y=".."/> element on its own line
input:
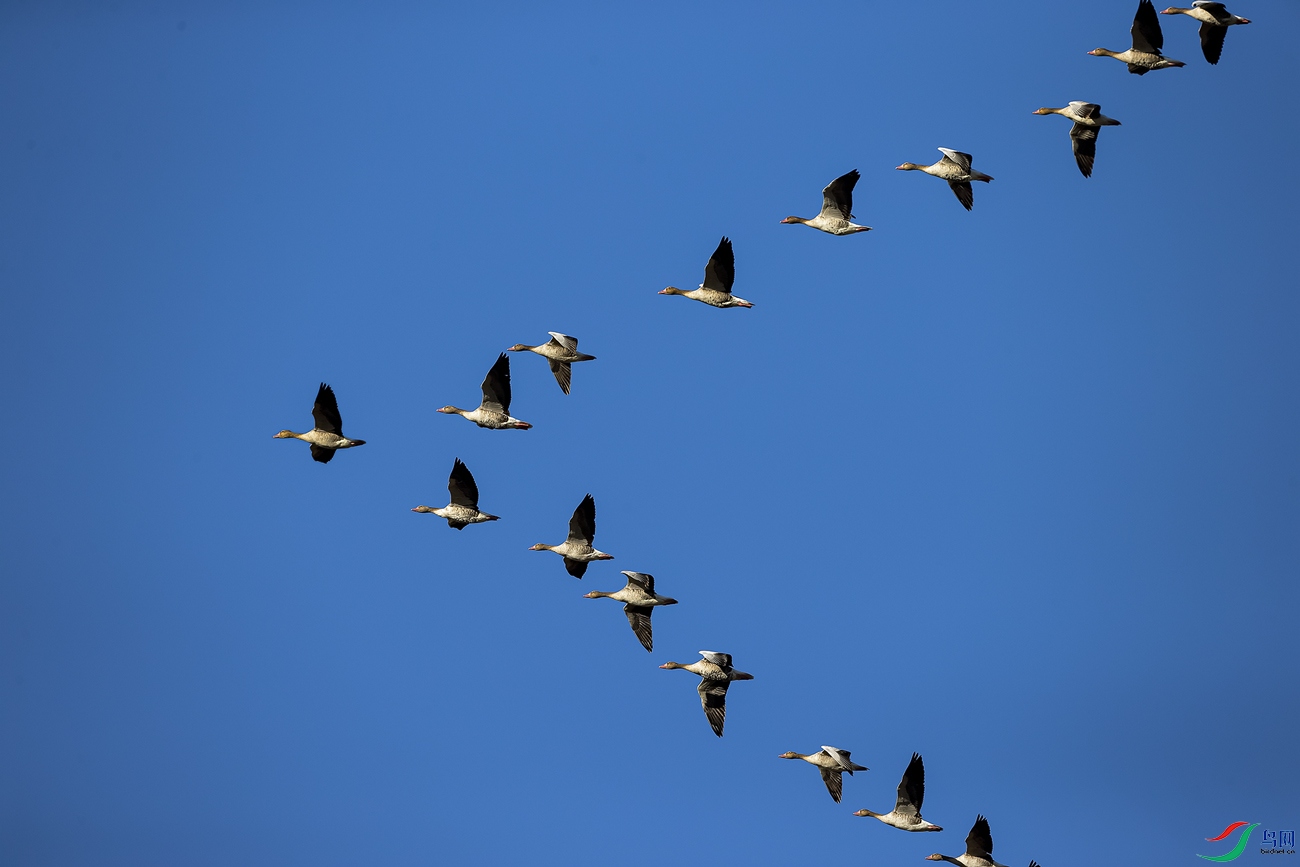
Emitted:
<point x="1236" y="850"/>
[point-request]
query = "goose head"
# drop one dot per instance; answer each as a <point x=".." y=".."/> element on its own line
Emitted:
<point x="518" y="347"/>
<point x="671" y="665"/>
<point x="595" y="594"/>
<point x="540" y="546"/>
<point x="790" y="755"/>
<point x="1096" y="52"/>
<point x="1045" y="110"/>
<point x="671" y="290"/>
<point x="909" y="167"/>
<point x="452" y="410"/>
<point x="283" y="434"/>
<point x="422" y="509"/>
<point x="794" y="220"/>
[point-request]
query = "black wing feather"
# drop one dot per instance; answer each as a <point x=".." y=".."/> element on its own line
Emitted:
<point x="496" y="386"/>
<point x="963" y="192"/>
<point x="1084" y="141"/>
<point x="1212" y="36"/>
<point x="720" y="273"/>
<point x="713" y="697"/>
<point x="1146" y="29"/>
<point x="326" y="411"/>
<point x="839" y="194"/>
<point x="461" y="486"/>
<point x="979" y="841"/>
<point x="322" y="454"/>
<point x="638" y="616"/>
<point x="582" y="526"/>
<point x="911" y="789"/>
<point x="576" y="568"/>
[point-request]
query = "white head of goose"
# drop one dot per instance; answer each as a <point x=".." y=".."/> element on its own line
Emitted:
<point x="327" y="436"/>
<point x="1145" y="54"/>
<point x="640" y="599"/>
<point x="955" y="168"/>
<point x="719" y="275"/>
<point x="560" y="351"/>
<point x="833" y="763"/>
<point x="907" y="808"/>
<point x="716" y="675"/>
<point x="837" y="208"/>
<point x="1215" y="20"/>
<point x="576" y="550"/>
<point x="463" y="509"/>
<point x="494" y="412"/>
<point x="1088" y="120"/>
<point x="979" y="848"/>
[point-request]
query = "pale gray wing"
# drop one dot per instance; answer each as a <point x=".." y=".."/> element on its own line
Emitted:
<point x="840" y="756"/>
<point x="834" y="781"/>
<point x="720" y="659"/>
<point x="642" y="580"/>
<point x="638" y="616"/>
<point x="1086" y="109"/>
<point x="837" y="198"/>
<point x="563" y="373"/>
<point x="564" y="340"/>
<point x="961" y="160"/>
<point x="713" y="697"/>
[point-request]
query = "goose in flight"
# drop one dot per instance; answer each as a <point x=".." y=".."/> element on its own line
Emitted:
<point x="979" y="848"/>
<point x="576" y="550"/>
<point x="833" y="762"/>
<point x="1088" y="120"/>
<point x="463" y="509"/>
<point x="719" y="274"/>
<point x="716" y="674"/>
<point x="327" y="436"/>
<point x="837" y="208"/>
<point x="639" y="598"/>
<point x="494" y="412"/>
<point x="560" y="351"/>
<point x="907" y="809"/>
<point x="955" y="168"/>
<point x="1215" y="20"/>
<point x="1145" y="54"/>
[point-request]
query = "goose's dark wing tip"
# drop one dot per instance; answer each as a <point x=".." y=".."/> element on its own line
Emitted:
<point x="321" y="454"/>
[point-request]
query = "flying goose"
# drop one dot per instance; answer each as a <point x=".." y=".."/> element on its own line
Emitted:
<point x="494" y="411"/>
<point x="1215" y="21"/>
<point x="576" y="550"/>
<point x="979" y="848"/>
<point x="463" y="509"/>
<point x="327" y="436"/>
<point x="1088" y="120"/>
<point x="954" y="168"/>
<point x="560" y="351"/>
<point x="719" y="274"/>
<point x="832" y="762"/>
<point x="716" y="674"/>
<point x="1145" y="54"/>
<point x="837" y="208"/>
<point x="640" y="599"/>
<point x="907" y="809"/>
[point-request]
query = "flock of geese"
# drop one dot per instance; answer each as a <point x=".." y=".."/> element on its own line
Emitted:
<point x="638" y="596"/>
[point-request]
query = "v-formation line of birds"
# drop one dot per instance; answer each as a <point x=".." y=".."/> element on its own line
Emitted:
<point x="715" y="669"/>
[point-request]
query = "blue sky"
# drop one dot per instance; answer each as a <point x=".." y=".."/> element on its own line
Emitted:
<point x="1017" y="489"/>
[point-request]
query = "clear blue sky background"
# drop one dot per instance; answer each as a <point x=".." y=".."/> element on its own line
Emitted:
<point x="1017" y="488"/>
